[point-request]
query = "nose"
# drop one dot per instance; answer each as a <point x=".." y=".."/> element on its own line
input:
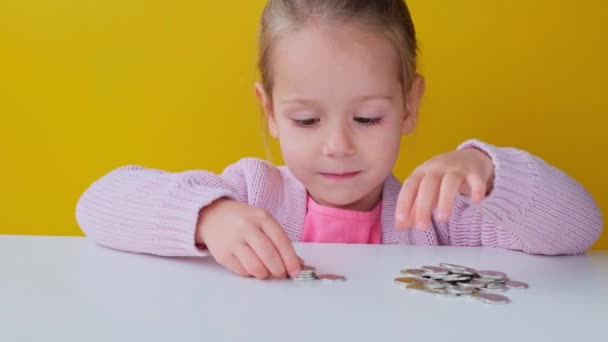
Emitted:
<point x="338" y="143"/>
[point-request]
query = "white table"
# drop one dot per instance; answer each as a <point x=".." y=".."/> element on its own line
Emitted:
<point x="69" y="289"/>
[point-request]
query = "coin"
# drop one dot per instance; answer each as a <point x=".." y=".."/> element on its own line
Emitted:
<point x="453" y="267"/>
<point x="492" y="298"/>
<point x="459" y="281"/>
<point x="495" y="286"/>
<point x="456" y="277"/>
<point x="304" y="278"/>
<point x="456" y="290"/>
<point x="332" y="278"/>
<point x="431" y="284"/>
<point x="435" y="270"/>
<point x="494" y="275"/>
<point x="407" y="280"/>
<point x="412" y="272"/>
<point x="516" y="285"/>
<point x="416" y="286"/>
<point x="435" y="276"/>
<point x="308" y="273"/>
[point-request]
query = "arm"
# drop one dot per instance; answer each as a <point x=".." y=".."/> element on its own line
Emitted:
<point x="533" y="207"/>
<point x="151" y="211"/>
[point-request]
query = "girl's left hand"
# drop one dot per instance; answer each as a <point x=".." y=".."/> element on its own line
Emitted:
<point x="437" y="182"/>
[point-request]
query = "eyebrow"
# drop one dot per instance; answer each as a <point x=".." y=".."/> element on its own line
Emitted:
<point x="305" y="101"/>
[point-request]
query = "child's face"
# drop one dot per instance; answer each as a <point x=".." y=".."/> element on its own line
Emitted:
<point x="338" y="110"/>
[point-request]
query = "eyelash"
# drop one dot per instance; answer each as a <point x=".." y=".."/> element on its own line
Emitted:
<point x="364" y="121"/>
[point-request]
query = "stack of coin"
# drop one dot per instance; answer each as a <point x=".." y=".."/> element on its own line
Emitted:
<point x="455" y="280"/>
<point x="308" y="273"/>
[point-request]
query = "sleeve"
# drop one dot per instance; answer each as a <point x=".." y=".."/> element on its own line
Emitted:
<point x="151" y="211"/>
<point x="533" y="207"/>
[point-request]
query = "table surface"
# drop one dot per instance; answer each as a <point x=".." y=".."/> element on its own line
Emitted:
<point x="69" y="289"/>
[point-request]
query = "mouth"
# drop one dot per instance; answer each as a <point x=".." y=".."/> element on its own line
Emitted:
<point x="339" y="176"/>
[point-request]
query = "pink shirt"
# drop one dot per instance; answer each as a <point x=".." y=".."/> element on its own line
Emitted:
<point x="333" y="225"/>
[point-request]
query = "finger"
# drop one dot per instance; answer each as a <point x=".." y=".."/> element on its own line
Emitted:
<point x="266" y="251"/>
<point x="233" y="264"/>
<point x="251" y="262"/>
<point x="450" y="186"/>
<point x="277" y="235"/>
<point x="411" y="218"/>
<point x="426" y="200"/>
<point x="405" y="201"/>
<point x="478" y="188"/>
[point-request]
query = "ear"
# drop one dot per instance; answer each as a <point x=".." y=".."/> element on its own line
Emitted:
<point x="412" y="104"/>
<point x="266" y="104"/>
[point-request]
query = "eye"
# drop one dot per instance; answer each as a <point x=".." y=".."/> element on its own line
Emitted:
<point x="369" y="121"/>
<point x="305" y="122"/>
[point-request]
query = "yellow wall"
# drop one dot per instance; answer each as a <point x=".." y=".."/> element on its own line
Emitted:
<point x="87" y="86"/>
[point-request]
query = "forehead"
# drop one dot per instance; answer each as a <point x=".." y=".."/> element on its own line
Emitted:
<point x="334" y="58"/>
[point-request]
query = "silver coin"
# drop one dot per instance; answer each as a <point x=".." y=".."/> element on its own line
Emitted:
<point x="494" y="275"/>
<point x="494" y="286"/>
<point x="492" y="298"/>
<point x="453" y="267"/>
<point x="495" y="289"/>
<point x="483" y="280"/>
<point x="516" y="285"/>
<point x="458" y="290"/>
<point x="307" y="271"/>
<point x="431" y="284"/>
<point x="478" y="283"/>
<point x="435" y="270"/>
<point x="467" y="286"/>
<point x="304" y="278"/>
<point x="455" y="277"/>
<point x="306" y="275"/>
<point x="436" y="291"/>
<point x="436" y="276"/>
<point x="469" y="272"/>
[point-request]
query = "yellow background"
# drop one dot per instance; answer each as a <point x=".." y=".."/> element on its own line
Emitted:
<point x="87" y="86"/>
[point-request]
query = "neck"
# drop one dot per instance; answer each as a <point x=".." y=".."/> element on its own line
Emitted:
<point x="367" y="203"/>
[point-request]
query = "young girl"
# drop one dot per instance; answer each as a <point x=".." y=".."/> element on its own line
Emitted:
<point x="339" y="88"/>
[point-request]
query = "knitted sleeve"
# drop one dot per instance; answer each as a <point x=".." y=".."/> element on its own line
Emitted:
<point x="151" y="211"/>
<point x="533" y="207"/>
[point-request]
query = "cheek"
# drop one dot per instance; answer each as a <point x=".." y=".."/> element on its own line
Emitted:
<point x="387" y="138"/>
<point x="296" y="151"/>
<point x="388" y="143"/>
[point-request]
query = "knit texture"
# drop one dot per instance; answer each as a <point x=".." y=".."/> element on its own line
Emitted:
<point x="533" y="207"/>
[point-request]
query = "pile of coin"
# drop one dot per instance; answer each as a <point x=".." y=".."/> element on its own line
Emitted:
<point x="455" y="280"/>
<point x="309" y="273"/>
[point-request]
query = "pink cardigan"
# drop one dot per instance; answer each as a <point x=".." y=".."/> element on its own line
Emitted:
<point x="533" y="207"/>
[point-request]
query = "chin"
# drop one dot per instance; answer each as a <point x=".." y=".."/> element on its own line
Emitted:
<point x="341" y="200"/>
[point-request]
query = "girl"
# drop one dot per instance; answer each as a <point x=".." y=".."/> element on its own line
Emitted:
<point x="339" y="88"/>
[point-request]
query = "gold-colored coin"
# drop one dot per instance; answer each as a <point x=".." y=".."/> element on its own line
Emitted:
<point x="407" y="280"/>
<point x="416" y="286"/>
<point x="412" y="272"/>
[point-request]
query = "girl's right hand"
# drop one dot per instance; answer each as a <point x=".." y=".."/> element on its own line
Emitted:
<point x="247" y="240"/>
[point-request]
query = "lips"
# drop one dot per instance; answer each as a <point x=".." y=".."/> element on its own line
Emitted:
<point x="340" y="176"/>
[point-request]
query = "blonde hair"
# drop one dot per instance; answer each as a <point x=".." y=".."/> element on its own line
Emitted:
<point x="391" y="17"/>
